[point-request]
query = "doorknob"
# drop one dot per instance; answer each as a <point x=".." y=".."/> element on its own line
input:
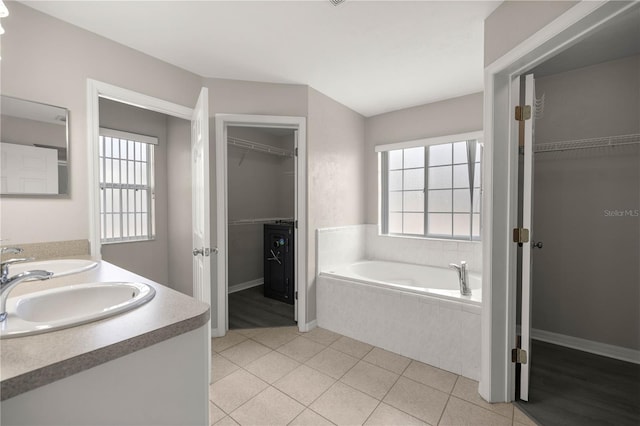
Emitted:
<point x="536" y="245"/>
<point x="198" y="251"/>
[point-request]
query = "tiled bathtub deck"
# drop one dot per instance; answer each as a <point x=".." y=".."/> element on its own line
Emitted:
<point x="277" y="376"/>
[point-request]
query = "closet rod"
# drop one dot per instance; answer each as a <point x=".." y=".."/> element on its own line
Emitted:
<point x="260" y="220"/>
<point x="255" y="146"/>
<point x="587" y="143"/>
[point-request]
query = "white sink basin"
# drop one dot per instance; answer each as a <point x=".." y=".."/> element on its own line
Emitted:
<point x="59" y="267"/>
<point x="70" y="306"/>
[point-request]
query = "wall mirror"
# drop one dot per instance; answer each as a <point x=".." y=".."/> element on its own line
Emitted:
<point x="34" y="144"/>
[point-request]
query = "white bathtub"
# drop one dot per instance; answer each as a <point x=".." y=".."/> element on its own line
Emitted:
<point x="413" y="310"/>
<point x="420" y="279"/>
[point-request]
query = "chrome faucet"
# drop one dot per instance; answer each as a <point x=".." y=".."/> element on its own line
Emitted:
<point x="463" y="276"/>
<point x="9" y="283"/>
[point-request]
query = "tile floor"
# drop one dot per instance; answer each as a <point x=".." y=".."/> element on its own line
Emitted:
<point x="278" y="376"/>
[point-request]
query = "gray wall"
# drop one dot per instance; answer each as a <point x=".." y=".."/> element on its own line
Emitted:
<point x="515" y="21"/>
<point x="179" y="208"/>
<point x="457" y="115"/>
<point x="30" y="132"/>
<point x="47" y="60"/>
<point x="336" y="174"/>
<point x="258" y="187"/>
<point x="147" y="258"/>
<point x="586" y="280"/>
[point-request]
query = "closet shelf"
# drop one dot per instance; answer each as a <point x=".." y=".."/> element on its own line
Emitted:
<point x="255" y="146"/>
<point x="587" y="143"/>
<point x="260" y="220"/>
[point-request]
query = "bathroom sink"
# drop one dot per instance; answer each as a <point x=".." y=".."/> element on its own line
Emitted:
<point x="59" y="267"/>
<point x="70" y="306"/>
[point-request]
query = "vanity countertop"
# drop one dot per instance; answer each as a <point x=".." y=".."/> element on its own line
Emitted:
<point x="29" y="362"/>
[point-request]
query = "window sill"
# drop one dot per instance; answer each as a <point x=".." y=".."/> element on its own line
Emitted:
<point x="417" y="237"/>
<point x="145" y="240"/>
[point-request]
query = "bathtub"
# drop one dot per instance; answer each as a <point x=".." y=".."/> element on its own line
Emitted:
<point x="419" y="279"/>
<point x="413" y="310"/>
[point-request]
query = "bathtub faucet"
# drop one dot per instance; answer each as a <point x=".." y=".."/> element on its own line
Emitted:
<point x="463" y="276"/>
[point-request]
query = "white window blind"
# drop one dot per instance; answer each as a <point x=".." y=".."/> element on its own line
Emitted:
<point x="126" y="186"/>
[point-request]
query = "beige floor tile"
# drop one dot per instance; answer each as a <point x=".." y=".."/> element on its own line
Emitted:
<point x="322" y="336"/>
<point x="246" y="352"/>
<point x="461" y="413"/>
<point x="351" y="347"/>
<point x="387" y="360"/>
<point x="269" y="407"/>
<point x="310" y="418"/>
<point x="301" y="349"/>
<point x="219" y="344"/>
<point x="221" y="367"/>
<point x="423" y="402"/>
<point x="467" y="390"/>
<point x="344" y="405"/>
<point x="227" y="421"/>
<point x="522" y="418"/>
<point x="304" y="384"/>
<point x="276" y="337"/>
<point x="235" y="389"/>
<point x="370" y="379"/>
<point x="431" y="376"/>
<point x="386" y="415"/>
<point x="272" y="366"/>
<point x="215" y="413"/>
<point x="332" y="362"/>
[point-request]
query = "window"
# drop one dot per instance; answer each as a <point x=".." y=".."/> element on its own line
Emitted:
<point x="432" y="189"/>
<point x="126" y="186"/>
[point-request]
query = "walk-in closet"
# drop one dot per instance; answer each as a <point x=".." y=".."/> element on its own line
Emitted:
<point x="585" y="356"/>
<point x="261" y="211"/>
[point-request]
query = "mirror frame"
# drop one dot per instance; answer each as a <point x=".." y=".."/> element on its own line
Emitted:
<point x="68" y="157"/>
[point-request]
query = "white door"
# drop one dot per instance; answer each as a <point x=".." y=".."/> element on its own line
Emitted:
<point x="200" y="204"/>
<point x="526" y="134"/>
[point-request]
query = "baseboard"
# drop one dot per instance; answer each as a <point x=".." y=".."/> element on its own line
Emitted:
<point x="611" y="351"/>
<point x="309" y="326"/>
<point x="245" y="285"/>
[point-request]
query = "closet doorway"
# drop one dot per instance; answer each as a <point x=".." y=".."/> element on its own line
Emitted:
<point x="584" y="358"/>
<point x="261" y="221"/>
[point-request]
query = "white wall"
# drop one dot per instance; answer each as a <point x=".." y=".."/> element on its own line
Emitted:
<point x="586" y="279"/>
<point x="336" y="173"/>
<point x="47" y="60"/>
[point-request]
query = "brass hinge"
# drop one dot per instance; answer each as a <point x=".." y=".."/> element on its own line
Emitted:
<point x="519" y="356"/>
<point x="520" y="235"/>
<point x="523" y="112"/>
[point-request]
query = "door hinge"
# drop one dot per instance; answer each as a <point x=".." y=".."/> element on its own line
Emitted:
<point x="296" y="295"/>
<point x="519" y="356"/>
<point x="520" y="235"/>
<point x="295" y="223"/>
<point x="295" y="152"/>
<point x="523" y="113"/>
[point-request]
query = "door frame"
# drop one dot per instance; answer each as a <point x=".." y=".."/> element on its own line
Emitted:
<point x="497" y="381"/>
<point x="222" y="122"/>
<point x="96" y="90"/>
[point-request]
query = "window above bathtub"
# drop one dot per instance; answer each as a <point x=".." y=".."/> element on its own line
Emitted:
<point x="431" y="188"/>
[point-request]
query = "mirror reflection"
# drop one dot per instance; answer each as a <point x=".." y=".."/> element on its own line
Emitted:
<point x="34" y="148"/>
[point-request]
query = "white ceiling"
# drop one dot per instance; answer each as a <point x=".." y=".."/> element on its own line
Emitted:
<point x="372" y="56"/>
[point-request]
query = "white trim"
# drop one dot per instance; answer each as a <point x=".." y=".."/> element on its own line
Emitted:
<point x="95" y="91"/>
<point x="223" y="121"/>
<point x="500" y="176"/>
<point x="478" y="134"/>
<point x="308" y="326"/>
<point x="593" y="347"/>
<point x="119" y="134"/>
<point x="245" y="285"/>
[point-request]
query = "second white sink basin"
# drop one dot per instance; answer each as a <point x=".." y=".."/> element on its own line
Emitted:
<point x="59" y="267"/>
<point x="70" y="306"/>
